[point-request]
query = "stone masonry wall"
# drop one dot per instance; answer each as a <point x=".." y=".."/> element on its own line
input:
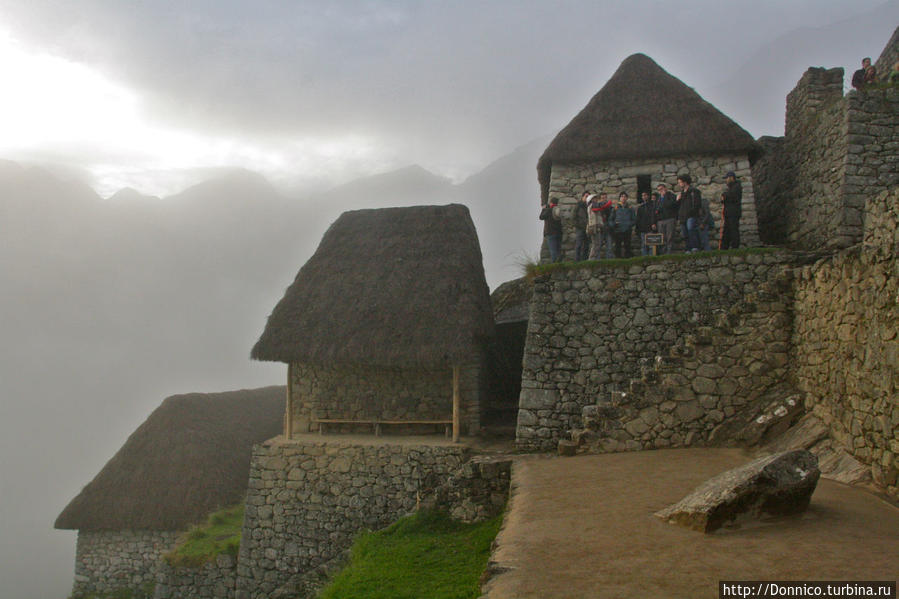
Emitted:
<point x="847" y="342"/>
<point x="360" y="393"/>
<point x="307" y="500"/>
<point x="110" y="560"/>
<point x="568" y="182"/>
<point x="722" y="322"/>
<point x="213" y="580"/>
<point x="837" y="151"/>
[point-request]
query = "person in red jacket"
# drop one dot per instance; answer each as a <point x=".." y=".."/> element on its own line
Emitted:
<point x="598" y="210"/>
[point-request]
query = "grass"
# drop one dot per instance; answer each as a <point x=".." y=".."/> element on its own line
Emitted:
<point x="533" y="269"/>
<point x="203" y="543"/>
<point x="423" y="555"/>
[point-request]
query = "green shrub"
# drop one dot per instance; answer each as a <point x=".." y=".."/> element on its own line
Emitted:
<point x="202" y="544"/>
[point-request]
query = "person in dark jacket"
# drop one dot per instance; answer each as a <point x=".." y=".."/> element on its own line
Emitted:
<point x="865" y="75"/>
<point x="690" y="212"/>
<point x="731" y="211"/>
<point x="581" y="240"/>
<point x="666" y="211"/>
<point x="552" y="229"/>
<point x="646" y="220"/>
<point x="622" y="222"/>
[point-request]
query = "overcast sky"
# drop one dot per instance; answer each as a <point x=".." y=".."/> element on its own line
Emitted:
<point x="151" y="94"/>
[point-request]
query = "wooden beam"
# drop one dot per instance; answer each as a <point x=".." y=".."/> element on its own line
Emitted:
<point x="456" y="410"/>
<point x="288" y="419"/>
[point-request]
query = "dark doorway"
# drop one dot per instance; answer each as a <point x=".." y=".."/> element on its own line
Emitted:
<point x="500" y="410"/>
<point x="644" y="183"/>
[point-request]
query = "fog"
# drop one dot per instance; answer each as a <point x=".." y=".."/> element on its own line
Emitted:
<point x="257" y="125"/>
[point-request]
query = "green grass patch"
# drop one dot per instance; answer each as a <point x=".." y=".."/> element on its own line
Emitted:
<point x="203" y="543"/>
<point x="423" y="555"/>
<point x="532" y="269"/>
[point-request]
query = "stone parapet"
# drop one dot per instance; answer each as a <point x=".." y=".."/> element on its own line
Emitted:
<point x="212" y="580"/>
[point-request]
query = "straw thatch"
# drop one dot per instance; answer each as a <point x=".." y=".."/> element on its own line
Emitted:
<point x="643" y="112"/>
<point x="191" y="456"/>
<point x="399" y="287"/>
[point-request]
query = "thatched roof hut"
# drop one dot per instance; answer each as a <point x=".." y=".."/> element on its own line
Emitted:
<point x="191" y="456"/>
<point x="643" y="112"/>
<point x="399" y="287"/>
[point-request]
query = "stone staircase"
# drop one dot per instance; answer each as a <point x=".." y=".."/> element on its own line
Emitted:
<point x="712" y="388"/>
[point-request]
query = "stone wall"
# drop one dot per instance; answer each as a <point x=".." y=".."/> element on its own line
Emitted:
<point x="836" y="152"/>
<point x="719" y="323"/>
<point x="569" y="181"/>
<point x="888" y="56"/>
<point x="110" y="560"/>
<point x="365" y="393"/>
<point x="846" y="345"/>
<point x="215" y="579"/>
<point x="307" y="500"/>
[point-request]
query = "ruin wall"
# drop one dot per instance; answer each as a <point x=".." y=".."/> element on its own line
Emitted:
<point x="717" y="326"/>
<point x="107" y="561"/>
<point x="846" y="342"/>
<point x="307" y="500"/>
<point x="836" y="152"/>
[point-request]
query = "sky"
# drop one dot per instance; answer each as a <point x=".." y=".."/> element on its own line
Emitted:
<point x="161" y="95"/>
<point x="311" y="94"/>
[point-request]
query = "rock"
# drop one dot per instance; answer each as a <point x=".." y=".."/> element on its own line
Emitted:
<point x="567" y="448"/>
<point x="775" y="485"/>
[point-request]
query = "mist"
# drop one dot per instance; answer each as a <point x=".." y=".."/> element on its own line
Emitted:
<point x="256" y="126"/>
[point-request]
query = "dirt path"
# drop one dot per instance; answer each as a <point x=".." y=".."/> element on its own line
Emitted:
<point x="583" y="527"/>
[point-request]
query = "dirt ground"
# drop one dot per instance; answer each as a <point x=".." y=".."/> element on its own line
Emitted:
<point x="583" y="527"/>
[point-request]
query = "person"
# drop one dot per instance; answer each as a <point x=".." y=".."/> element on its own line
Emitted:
<point x="731" y="211"/>
<point x="646" y="220"/>
<point x="581" y="241"/>
<point x="552" y="229"/>
<point x="865" y="75"/>
<point x="597" y="219"/>
<point x="666" y="211"/>
<point x="689" y="212"/>
<point x="621" y="221"/>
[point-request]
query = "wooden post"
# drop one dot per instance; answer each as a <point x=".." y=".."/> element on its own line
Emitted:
<point x="288" y="420"/>
<point x="456" y="410"/>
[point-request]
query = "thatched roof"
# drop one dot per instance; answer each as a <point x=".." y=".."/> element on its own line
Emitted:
<point x="191" y="456"/>
<point x="643" y="112"/>
<point x="398" y="287"/>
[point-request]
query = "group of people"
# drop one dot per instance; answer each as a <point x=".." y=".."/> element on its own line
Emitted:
<point x="867" y="75"/>
<point x="599" y="221"/>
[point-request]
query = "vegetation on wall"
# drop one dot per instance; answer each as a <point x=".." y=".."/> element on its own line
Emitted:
<point x="203" y="543"/>
<point x="423" y="555"/>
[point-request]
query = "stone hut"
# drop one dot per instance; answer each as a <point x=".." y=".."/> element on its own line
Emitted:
<point x="645" y="127"/>
<point x="386" y="324"/>
<point x="190" y="457"/>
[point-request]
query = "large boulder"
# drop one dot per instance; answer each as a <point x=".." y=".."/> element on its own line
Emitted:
<point x="774" y="485"/>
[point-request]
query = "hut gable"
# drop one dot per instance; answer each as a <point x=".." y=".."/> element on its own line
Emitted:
<point x="400" y="287"/>
<point x="191" y="456"/>
<point x="643" y="112"/>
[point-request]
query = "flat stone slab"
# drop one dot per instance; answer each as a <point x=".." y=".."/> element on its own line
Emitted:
<point x="776" y="485"/>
